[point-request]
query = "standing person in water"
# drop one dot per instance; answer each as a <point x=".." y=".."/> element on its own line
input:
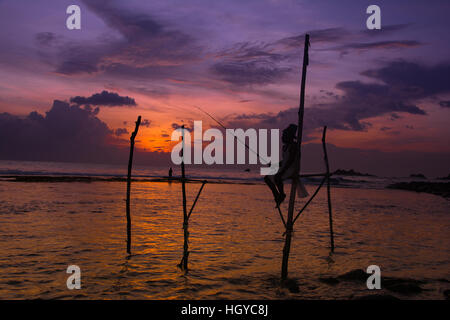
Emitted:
<point x="170" y="172"/>
<point x="287" y="167"/>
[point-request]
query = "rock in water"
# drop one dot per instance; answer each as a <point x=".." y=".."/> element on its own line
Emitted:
<point x="403" y="286"/>
<point x="354" y="275"/>
<point x="437" y="188"/>
<point x="291" y="285"/>
<point x="447" y="294"/>
<point x="329" y="280"/>
<point x="377" y="297"/>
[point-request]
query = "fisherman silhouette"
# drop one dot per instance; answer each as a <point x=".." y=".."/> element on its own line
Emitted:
<point x="287" y="166"/>
<point x="170" y="172"/>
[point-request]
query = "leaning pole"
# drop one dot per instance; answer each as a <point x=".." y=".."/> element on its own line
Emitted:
<point x="130" y="164"/>
<point x="289" y="221"/>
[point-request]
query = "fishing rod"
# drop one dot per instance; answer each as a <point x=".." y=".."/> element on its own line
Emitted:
<point x="242" y="142"/>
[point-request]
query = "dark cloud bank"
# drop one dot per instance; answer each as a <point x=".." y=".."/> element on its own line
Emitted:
<point x="400" y="85"/>
<point x="144" y="47"/>
<point x="73" y="134"/>
<point x="249" y="63"/>
<point x="66" y="133"/>
<point x="105" y="98"/>
<point x="149" y="48"/>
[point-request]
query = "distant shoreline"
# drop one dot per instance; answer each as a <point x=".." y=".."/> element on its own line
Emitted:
<point x="436" y="188"/>
<point x="88" y="179"/>
<point x="93" y="178"/>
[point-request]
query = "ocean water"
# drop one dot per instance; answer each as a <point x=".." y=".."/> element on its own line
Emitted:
<point x="235" y="174"/>
<point x="236" y="240"/>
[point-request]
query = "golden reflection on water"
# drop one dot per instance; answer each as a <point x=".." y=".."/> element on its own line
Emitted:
<point x="236" y="239"/>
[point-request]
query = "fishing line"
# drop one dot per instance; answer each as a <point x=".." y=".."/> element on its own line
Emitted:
<point x="242" y="142"/>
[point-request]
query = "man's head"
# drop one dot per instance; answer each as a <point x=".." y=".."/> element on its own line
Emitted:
<point x="289" y="133"/>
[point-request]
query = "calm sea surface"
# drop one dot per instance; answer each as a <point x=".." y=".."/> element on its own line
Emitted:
<point x="236" y="241"/>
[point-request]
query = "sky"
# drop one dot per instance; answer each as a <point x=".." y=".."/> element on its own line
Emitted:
<point x="74" y="95"/>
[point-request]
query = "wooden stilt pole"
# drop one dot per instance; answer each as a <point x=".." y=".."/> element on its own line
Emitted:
<point x="289" y="222"/>
<point x="310" y="199"/>
<point x="130" y="164"/>
<point x="330" y="215"/>
<point x="196" y="198"/>
<point x="184" y="261"/>
<point x="281" y="216"/>
<point x="183" y="265"/>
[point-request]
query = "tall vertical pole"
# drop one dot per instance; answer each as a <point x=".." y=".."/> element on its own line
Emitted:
<point x="184" y="262"/>
<point x="330" y="215"/>
<point x="289" y="223"/>
<point x="130" y="164"/>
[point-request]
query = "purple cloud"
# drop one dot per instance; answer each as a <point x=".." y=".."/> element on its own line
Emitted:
<point x="329" y="35"/>
<point x="360" y="47"/>
<point x="105" y="98"/>
<point x="403" y="83"/>
<point x="146" y="123"/>
<point x="66" y="133"/>
<point x="413" y="79"/>
<point x="120" y="131"/>
<point x="250" y="73"/>
<point x="444" y="104"/>
<point x="176" y="126"/>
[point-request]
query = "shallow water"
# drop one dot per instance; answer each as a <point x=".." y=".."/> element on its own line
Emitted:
<point x="236" y="241"/>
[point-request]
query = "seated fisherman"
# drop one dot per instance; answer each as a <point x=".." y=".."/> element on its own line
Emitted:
<point x="287" y="167"/>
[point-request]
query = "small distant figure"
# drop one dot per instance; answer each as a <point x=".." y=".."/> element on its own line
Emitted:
<point x="170" y="172"/>
<point x="287" y="167"/>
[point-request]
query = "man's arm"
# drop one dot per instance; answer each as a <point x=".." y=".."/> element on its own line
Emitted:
<point x="290" y="160"/>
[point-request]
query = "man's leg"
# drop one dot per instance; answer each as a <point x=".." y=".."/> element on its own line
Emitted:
<point x="272" y="187"/>
<point x="280" y="186"/>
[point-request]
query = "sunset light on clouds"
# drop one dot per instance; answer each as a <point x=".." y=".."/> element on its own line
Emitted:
<point x="238" y="158"/>
<point x="385" y="91"/>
